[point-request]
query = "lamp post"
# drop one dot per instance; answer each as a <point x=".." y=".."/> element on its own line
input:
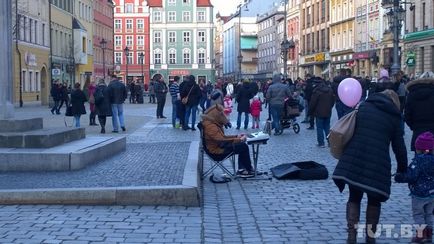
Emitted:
<point x="395" y="17"/>
<point x="142" y="59"/>
<point x="285" y="44"/>
<point x="127" y="53"/>
<point x="103" y="44"/>
<point x="240" y="56"/>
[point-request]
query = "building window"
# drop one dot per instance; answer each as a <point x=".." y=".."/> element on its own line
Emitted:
<point x="30" y="81"/>
<point x="201" y="56"/>
<point x="157" y="16"/>
<point x="130" y="58"/>
<point x="42" y="34"/>
<point x="186" y="16"/>
<point x="172" y="36"/>
<point x="201" y="16"/>
<point x="118" y="58"/>
<point x="172" y="2"/>
<point x="157" y="37"/>
<point x="129" y="8"/>
<point x="140" y="60"/>
<point x="118" y="24"/>
<point x="201" y="36"/>
<point x="129" y="24"/>
<point x="140" y="24"/>
<point x="186" y="56"/>
<point x="323" y="11"/>
<point x="186" y="1"/>
<point x="172" y="56"/>
<point x="171" y="16"/>
<point x="37" y="82"/>
<point x="118" y="40"/>
<point x="157" y="56"/>
<point x="186" y="35"/>
<point x="422" y="59"/>
<point x="140" y="40"/>
<point x="129" y="41"/>
<point x="24" y="81"/>
<point x="423" y="17"/>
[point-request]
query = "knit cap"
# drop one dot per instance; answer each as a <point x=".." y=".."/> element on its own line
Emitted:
<point x="424" y="142"/>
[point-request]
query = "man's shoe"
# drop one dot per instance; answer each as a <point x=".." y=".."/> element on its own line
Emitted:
<point x="193" y="129"/>
<point x="320" y="145"/>
<point x="102" y="130"/>
<point x="186" y="128"/>
<point x="304" y="121"/>
<point x="278" y="133"/>
<point x="115" y="131"/>
<point x="238" y="128"/>
<point x="163" y="117"/>
<point x="310" y="128"/>
<point x="123" y="128"/>
<point x="52" y="111"/>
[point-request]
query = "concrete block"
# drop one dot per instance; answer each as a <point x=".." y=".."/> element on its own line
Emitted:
<point x="16" y="160"/>
<point x="52" y="137"/>
<point x="163" y="195"/>
<point x="20" y="125"/>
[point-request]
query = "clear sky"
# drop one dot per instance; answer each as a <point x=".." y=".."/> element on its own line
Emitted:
<point x="225" y="7"/>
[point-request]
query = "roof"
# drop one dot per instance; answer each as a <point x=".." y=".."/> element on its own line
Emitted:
<point x="155" y="3"/>
<point x="204" y="3"/>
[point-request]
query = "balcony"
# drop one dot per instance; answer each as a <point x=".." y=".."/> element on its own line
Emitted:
<point x="80" y="42"/>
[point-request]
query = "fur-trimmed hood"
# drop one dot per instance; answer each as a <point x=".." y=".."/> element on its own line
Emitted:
<point x="215" y="114"/>
<point x="424" y="81"/>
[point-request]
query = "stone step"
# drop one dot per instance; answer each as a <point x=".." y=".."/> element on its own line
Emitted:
<point x="20" y="125"/>
<point x="69" y="156"/>
<point x="41" y="138"/>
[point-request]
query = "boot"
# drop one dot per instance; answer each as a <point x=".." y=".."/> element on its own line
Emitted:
<point x="353" y="217"/>
<point x="372" y="219"/>
<point x="428" y="235"/>
<point x="102" y="130"/>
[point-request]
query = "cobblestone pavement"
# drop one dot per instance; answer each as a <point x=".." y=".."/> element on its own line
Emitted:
<point x="237" y="212"/>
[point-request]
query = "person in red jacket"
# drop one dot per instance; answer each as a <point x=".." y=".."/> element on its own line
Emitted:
<point x="255" y="110"/>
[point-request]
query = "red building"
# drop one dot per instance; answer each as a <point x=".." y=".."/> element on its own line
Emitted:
<point x="103" y="38"/>
<point x="131" y="30"/>
<point x="293" y="33"/>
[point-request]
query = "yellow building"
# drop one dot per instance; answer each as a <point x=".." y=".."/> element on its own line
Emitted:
<point x="341" y="35"/>
<point x="31" y="51"/>
<point x="82" y="25"/>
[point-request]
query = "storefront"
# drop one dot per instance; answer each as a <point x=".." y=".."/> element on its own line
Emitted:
<point x="169" y="74"/>
<point x="365" y="63"/>
<point x="342" y="62"/>
<point x="315" y="64"/>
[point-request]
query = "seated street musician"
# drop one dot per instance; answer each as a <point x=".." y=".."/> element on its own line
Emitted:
<point x="214" y="121"/>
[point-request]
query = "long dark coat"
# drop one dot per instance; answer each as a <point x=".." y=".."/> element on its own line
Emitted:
<point x="419" y="108"/>
<point x="195" y="94"/>
<point x="103" y="106"/>
<point x="366" y="163"/>
<point x="244" y="94"/>
<point x="78" y="98"/>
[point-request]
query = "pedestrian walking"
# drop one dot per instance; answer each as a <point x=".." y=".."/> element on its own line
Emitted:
<point x="419" y="177"/>
<point x="102" y="104"/>
<point x="276" y="95"/>
<point x="64" y="97"/>
<point x="161" y="93"/>
<point x="243" y="96"/>
<point x="255" y="111"/>
<point x="174" y="93"/>
<point x="191" y="91"/>
<point x="117" y="92"/>
<point x="365" y="164"/>
<point x="55" y="93"/>
<point x="91" y="90"/>
<point x="78" y="98"/>
<point x="151" y="92"/>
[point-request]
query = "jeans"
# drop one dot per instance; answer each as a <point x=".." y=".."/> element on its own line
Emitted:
<point x="55" y="106"/>
<point x="202" y="104"/>
<point x="322" y="128"/>
<point x="306" y="110"/>
<point x="161" y="101"/>
<point x="422" y="210"/>
<point x="174" y="111"/>
<point x="77" y="120"/>
<point x="118" y="113"/>
<point x="246" y="120"/>
<point x="276" y="112"/>
<point x="193" y="111"/>
<point x="242" y="149"/>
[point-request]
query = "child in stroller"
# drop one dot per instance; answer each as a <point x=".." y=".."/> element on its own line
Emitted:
<point x="291" y="110"/>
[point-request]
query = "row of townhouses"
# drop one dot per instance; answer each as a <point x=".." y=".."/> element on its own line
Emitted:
<point x="326" y="36"/>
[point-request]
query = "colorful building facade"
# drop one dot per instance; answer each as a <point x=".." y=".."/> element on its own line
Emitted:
<point x="131" y="29"/>
<point x="31" y="51"/>
<point x="294" y="35"/>
<point x="103" y="12"/>
<point x="181" y="38"/>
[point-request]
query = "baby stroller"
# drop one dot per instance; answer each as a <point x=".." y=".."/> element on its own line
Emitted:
<point x="291" y="110"/>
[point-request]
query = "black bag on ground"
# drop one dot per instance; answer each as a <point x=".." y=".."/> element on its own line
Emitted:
<point x="306" y="170"/>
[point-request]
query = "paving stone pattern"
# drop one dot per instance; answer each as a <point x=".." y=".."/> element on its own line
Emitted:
<point x="241" y="211"/>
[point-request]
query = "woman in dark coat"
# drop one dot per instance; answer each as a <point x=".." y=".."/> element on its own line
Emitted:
<point x="365" y="165"/>
<point x="102" y="104"/>
<point x="192" y="90"/>
<point x="243" y="96"/>
<point x="419" y="109"/>
<point x="78" y="98"/>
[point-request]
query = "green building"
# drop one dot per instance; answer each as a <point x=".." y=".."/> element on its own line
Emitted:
<point x="181" y="39"/>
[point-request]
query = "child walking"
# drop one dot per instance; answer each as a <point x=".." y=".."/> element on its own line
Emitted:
<point x="255" y="110"/>
<point x="420" y="179"/>
<point x="227" y="103"/>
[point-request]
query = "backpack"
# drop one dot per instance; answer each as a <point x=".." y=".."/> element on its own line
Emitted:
<point x="341" y="133"/>
<point x="98" y="96"/>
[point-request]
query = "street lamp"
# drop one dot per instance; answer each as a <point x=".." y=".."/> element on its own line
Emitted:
<point x="142" y="60"/>
<point x="285" y="45"/>
<point x="395" y="17"/>
<point x="240" y="56"/>
<point x="127" y="53"/>
<point x="103" y="44"/>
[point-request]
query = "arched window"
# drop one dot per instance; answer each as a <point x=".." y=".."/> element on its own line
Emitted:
<point x="157" y="56"/>
<point x="201" y="56"/>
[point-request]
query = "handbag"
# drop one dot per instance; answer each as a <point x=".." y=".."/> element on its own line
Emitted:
<point x="341" y="133"/>
<point x="184" y="100"/>
<point x="68" y="112"/>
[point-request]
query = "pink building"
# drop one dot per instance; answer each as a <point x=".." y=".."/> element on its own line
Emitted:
<point x="103" y="38"/>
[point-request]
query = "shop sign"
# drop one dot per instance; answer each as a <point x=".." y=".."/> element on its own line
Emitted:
<point x="309" y="59"/>
<point x="30" y="59"/>
<point x="55" y="71"/>
<point x="364" y="55"/>
<point x="179" y="72"/>
<point x="411" y="59"/>
<point x="320" y="57"/>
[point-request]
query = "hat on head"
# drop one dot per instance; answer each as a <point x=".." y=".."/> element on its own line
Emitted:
<point x="384" y="73"/>
<point x="424" y="142"/>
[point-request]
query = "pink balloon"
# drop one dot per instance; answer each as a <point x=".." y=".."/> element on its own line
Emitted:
<point x="350" y="92"/>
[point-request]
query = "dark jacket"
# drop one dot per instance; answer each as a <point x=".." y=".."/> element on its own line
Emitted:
<point x="244" y="94"/>
<point x="365" y="162"/>
<point x="78" y="98"/>
<point x="117" y="92"/>
<point x="322" y="101"/>
<point x="160" y="89"/>
<point x="56" y="92"/>
<point x="102" y="100"/>
<point x="195" y="94"/>
<point x="64" y="93"/>
<point x="419" y="108"/>
<point x="419" y="176"/>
